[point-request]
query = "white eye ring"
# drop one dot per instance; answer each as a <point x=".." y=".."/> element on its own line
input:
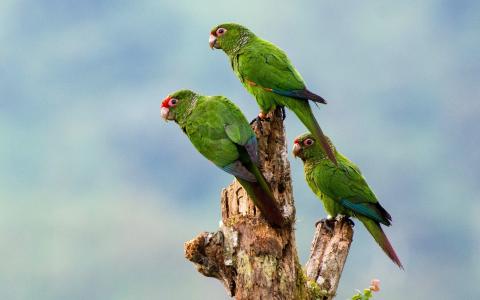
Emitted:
<point x="172" y="102"/>
<point x="308" y="142"/>
<point x="221" y="31"/>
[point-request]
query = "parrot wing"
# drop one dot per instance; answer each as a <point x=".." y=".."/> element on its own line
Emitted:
<point x="345" y="183"/>
<point x="239" y="132"/>
<point x="268" y="67"/>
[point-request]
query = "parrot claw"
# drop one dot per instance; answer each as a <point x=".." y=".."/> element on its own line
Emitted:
<point x="284" y="113"/>
<point x="258" y="122"/>
<point x="349" y="221"/>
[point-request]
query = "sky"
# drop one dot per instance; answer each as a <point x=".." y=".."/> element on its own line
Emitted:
<point x="98" y="194"/>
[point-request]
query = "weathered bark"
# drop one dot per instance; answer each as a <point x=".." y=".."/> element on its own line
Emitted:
<point x="254" y="260"/>
<point x="328" y="254"/>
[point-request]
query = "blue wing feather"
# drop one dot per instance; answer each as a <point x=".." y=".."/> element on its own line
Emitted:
<point x="300" y="94"/>
<point x="252" y="148"/>
<point x="365" y="209"/>
<point x="237" y="169"/>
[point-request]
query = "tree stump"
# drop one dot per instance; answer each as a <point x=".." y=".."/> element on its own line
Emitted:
<point x="328" y="254"/>
<point x="256" y="261"/>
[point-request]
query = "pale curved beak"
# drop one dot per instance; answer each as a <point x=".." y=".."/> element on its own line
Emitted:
<point x="211" y="41"/>
<point x="164" y="112"/>
<point x="296" y="149"/>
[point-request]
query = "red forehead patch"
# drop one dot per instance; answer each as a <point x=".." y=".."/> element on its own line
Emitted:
<point x="165" y="101"/>
<point x="295" y="141"/>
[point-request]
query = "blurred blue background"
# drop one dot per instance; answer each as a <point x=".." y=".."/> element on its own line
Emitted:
<point x="98" y="194"/>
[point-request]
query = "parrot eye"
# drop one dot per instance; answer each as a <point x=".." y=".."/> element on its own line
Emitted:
<point x="172" y="102"/>
<point x="221" y="31"/>
<point x="308" y="142"/>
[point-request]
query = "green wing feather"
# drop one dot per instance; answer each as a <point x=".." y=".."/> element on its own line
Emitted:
<point x="268" y="66"/>
<point x="206" y="130"/>
<point x="344" y="183"/>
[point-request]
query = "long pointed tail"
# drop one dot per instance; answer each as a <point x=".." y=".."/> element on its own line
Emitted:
<point x="377" y="232"/>
<point x="263" y="198"/>
<point x="304" y="112"/>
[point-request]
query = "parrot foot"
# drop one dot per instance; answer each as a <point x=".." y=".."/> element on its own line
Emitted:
<point x="263" y="116"/>
<point x="328" y="222"/>
<point x="347" y="219"/>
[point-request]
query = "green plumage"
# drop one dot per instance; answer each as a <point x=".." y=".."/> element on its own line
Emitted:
<point x="343" y="190"/>
<point x="220" y="132"/>
<point x="267" y="73"/>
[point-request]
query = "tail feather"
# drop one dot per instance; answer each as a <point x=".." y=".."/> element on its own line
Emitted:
<point x="301" y="94"/>
<point x="265" y="201"/>
<point x="377" y="232"/>
<point x="304" y="112"/>
<point x="314" y="97"/>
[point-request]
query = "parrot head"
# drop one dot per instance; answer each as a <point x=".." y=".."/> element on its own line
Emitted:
<point x="229" y="36"/>
<point x="175" y="105"/>
<point x="305" y="146"/>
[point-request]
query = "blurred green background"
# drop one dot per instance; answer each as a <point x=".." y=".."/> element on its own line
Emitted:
<point x="98" y="194"/>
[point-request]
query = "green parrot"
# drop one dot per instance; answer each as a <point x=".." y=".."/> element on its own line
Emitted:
<point x="267" y="73"/>
<point x="343" y="190"/>
<point x="220" y="132"/>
